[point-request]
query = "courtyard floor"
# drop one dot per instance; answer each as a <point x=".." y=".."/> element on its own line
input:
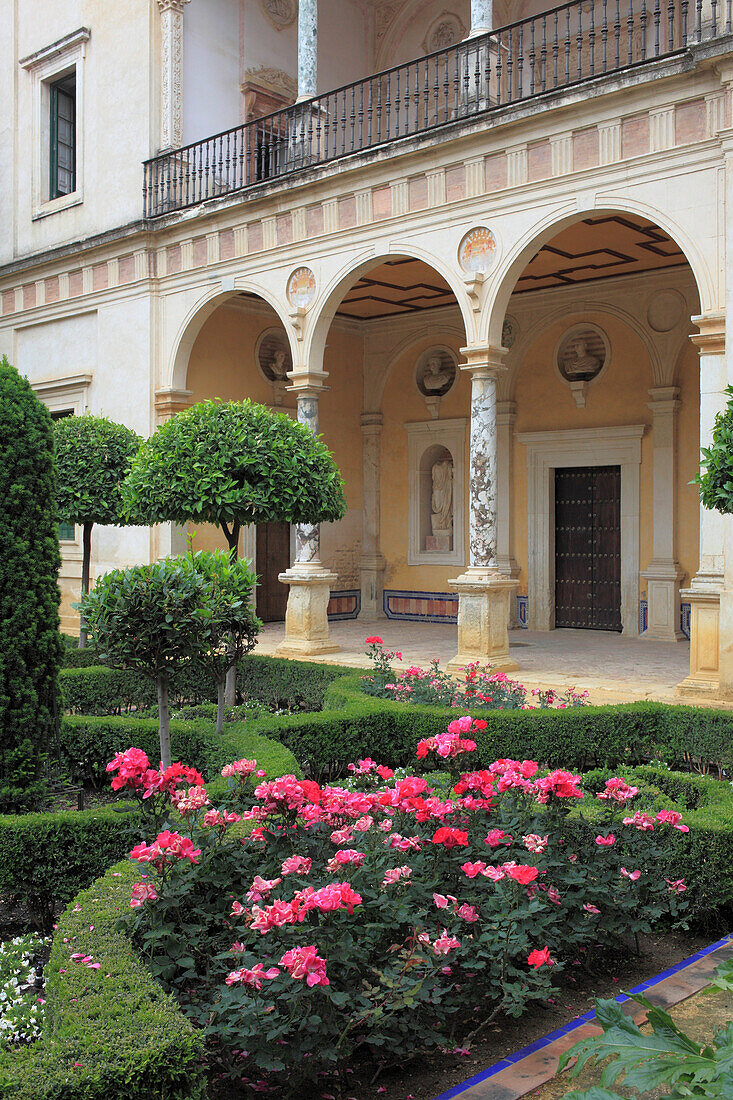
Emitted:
<point x="610" y="667"/>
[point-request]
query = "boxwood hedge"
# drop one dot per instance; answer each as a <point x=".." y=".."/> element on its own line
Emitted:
<point x="110" y="1032"/>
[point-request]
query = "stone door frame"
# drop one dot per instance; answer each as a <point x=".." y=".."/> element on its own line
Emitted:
<point x="548" y="451"/>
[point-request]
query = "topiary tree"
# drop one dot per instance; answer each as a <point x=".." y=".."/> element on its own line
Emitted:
<point x="30" y="644"/>
<point x="233" y="464"/>
<point x="92" y="458"/>
<point x="716" y="466"/>
<point x="159" y="618"/>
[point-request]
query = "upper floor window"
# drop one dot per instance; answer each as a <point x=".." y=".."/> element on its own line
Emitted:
<point x="62" y="132"/>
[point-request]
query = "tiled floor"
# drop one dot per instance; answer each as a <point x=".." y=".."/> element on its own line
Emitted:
<point x="611" y="667"/>
<point x="526" y="1070"/>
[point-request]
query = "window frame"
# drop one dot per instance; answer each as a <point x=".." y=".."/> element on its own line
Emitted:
<point x="48" y="67"/>
<point x="57" y="95"/>
<point x="65" y="396"/>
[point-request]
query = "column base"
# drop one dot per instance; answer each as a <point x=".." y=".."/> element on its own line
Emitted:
<point x="306" y="617"/>
<point x="663" y="602"/>
<point x="483" y="619"/>
<point x="704" y="677"/>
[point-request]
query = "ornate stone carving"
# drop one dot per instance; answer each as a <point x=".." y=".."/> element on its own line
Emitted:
<point x="383" y="16"/>
<point x="171" y="72"/>
<point x="281" y="13"/>
<point x="272" y="80"/>
<point x="445" y="31"/>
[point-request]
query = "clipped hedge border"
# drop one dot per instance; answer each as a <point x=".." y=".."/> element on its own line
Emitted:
<point x="45" y="858"/>
<point x="110" y="1032"/>
<point x="96" y="689"/>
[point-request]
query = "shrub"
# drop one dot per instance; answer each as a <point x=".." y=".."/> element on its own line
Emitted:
<point x="383" y="919"/>
<point x="165" y="617"/>
<point x="110" y="1030"/>
<point x="21" y="1005"/>
<point x="30" y="649"/>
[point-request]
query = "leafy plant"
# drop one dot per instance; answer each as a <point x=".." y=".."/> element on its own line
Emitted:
<point x="164" y="617"/>
<point x="716" y="466"/>
<point x="92" y="458"/>
<point x="30" y="645"/>
<point x="668" y="1058"/>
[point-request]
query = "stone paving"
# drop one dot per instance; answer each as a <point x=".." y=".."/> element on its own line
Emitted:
<point x="612" y="668"/>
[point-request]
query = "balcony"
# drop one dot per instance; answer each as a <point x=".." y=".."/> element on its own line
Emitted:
<point x="570" y="45"/>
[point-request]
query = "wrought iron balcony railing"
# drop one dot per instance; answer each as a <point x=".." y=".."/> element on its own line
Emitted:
<point x="566" y="46"/>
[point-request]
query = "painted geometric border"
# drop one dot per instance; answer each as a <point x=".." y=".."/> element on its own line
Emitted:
<point x="345" y="604"/>
<point x="685" y="610"/>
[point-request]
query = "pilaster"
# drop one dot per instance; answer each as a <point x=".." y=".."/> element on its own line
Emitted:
<point x="171" y="73"/>
<point x="372" y="563"/>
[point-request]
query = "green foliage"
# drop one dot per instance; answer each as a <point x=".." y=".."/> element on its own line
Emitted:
<point x="30" y="648"/>
<point x="667" y="1059"/>
<point x="231" y="464"/>
<point x="716" y="476"/>
<point x="164" y="617"/>
<point x="276" y="683"/>
<point x="110" y="1032"/>
<point x="45" y="858"/>
<point x="92" y="458"/>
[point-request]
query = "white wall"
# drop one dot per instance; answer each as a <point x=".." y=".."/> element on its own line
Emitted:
<point x="211" y="68"/>
<point x="117" y="117"/>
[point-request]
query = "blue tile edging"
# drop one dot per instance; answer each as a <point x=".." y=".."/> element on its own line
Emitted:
<point x="407" y="616"/>
<point x="545" y="1041"/>
<point x="685" y="610"/>
<point x="349" y="593"/>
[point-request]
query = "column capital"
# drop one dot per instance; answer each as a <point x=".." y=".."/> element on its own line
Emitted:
<point x="484" y="358"/>
<point x="168" y="402"/>
<point x="307" y="383"/>
<point x="171" y="5"/>
<point x="372" y="423"/>
<point x="664" y="399"/>
<point x="711" y="337"/>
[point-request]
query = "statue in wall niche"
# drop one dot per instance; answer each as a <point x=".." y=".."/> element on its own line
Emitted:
<point x="583" y="363"/>
<point x="436" y="375"/>
<point x="441" y="504"/>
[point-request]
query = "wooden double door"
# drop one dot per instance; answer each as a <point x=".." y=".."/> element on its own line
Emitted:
<point x="588" y="547"/>
<point x="273" y="558"/>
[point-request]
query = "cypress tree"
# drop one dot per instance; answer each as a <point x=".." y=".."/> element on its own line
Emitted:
<point x="30" y="644"/>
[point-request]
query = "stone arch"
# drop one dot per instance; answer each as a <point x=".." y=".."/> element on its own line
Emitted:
<point x="330" y="298"/>
<point x="544" y="231"/>
<point x="518" y="353"/>
<point x="196" y="317"/>
<point x="374" y="395"/>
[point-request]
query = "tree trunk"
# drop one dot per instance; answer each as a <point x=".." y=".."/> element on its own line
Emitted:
<point x="230" y="695"/>
<point x="220" y="689"/>
<point x="164" y="726"/>
<point x="86" y="557"/>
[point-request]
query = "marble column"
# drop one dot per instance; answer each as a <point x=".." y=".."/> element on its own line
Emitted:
<point x="171" y="73"/>
<point x="506" y="415"/>
<point x="307" y="48"/>
<point x="707" y="584"/>
<point x="483" y="591"/>
<point x="663" y="574"/>
<point x="372" y="562"/>
<point x="482" y="17"/>
<point x="306" y="616"/>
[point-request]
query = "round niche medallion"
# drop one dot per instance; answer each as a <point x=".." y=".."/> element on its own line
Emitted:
<point x="477" y="250"/>
<point x="435" y="372"/>
<point x="273" y="355"/>
<point x="281" y="13"/>
<point x="665" y="311"/>
<point x="582" y="353"/>
<point x="301" y="288"/>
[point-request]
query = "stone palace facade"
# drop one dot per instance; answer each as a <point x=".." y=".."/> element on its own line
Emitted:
<point x="481" y="248"/>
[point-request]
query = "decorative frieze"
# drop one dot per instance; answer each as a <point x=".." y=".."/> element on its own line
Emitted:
<point x="171" y="73"/>
<point x="517" y="166"/>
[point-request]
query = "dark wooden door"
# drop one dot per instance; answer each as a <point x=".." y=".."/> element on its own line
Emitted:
<point x="273" y="557"/>
<point x="588" y="547"/>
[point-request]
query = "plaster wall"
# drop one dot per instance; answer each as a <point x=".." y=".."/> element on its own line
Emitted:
<point x="211" y="68"/>
<point x="114" y="107"/>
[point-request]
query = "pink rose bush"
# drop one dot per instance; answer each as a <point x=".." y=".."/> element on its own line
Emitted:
<point x="301" y="922"/>
<point x="481" y="688"/>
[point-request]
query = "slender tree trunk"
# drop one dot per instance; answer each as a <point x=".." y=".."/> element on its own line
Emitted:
<point x="86" y="558"/>
<point x="220" y="690"/>
<point x="232" y="535"/>
<point x="164" y="725"/>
